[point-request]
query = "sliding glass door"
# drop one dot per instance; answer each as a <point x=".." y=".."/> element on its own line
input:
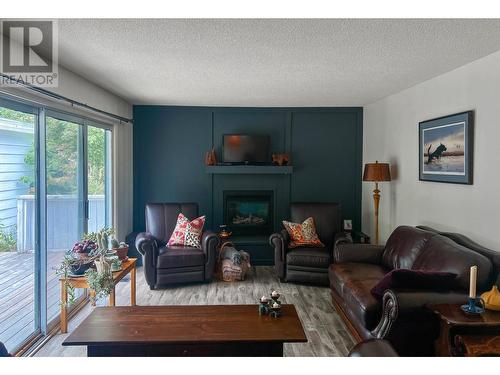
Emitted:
<point x="19" y="255"/>
<point x="55" y="185"/>
<point x="65" y="206"/>
<point x="99" y="178"/>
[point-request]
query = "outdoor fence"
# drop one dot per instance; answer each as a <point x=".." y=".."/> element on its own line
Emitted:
<point x="62" y="220"/>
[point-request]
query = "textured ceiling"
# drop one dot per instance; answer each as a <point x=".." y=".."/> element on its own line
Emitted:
<point x="270" y="62"/>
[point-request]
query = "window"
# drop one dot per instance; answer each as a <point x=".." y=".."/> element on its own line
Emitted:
<point x="18" y="257"/>
<point x="55" y="185"/>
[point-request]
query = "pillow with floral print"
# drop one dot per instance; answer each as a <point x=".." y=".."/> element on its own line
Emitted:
<point x="187" y="233"/>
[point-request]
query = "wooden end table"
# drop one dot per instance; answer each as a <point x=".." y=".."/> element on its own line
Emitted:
<point x="463" y="334"/>
<point x="128" y="266"/>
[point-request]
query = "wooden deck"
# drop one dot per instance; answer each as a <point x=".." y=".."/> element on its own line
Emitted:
<point x="17" y="295"/>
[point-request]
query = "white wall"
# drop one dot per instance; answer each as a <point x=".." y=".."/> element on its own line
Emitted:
<point x="391" y="135"/>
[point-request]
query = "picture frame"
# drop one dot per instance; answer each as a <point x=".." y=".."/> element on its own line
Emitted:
<point x="446" y="149"/>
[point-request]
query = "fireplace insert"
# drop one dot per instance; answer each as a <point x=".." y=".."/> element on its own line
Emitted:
<point x="249" y="212"/>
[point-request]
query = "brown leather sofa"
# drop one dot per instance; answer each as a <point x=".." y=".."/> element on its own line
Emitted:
<point x="308" y="264"/>
<point x="401" y="316"/>
<point x="164" y="265"/>
<point x="373" y="348"/>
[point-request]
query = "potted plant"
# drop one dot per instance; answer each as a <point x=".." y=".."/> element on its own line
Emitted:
<point x="121" y="248"/>
<point x="73" y="265"/>
<point x="100" y="280"/>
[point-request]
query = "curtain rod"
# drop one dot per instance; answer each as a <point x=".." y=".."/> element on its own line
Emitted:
<point x="65" y="99"/>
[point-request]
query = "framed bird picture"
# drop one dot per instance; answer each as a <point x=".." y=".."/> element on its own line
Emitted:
<point x="446" y="149"/>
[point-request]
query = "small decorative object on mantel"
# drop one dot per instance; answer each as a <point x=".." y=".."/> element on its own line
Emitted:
<point x="492" y="299"/>
<point x="281" y="159"/>
<point x="446" y="147"/>
<point x="475" y="305"/>
<point x="210" y="157"/>
<point x="270" y="306"/>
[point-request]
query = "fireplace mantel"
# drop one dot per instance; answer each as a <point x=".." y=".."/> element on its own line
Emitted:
<point x="248" y="169"/>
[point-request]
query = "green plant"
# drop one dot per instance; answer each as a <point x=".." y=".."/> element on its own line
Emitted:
<point x="108" y="232"/>
<point x="8" y="240"/>
<point x="101" y="283"/>
<point x="114" y="243"/>
<point x="64" y="271"/>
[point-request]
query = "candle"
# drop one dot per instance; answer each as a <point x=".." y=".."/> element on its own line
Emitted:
<point x="263" y="299"/>
<point x="275" y="293"/>
<point x="275" y="305"/>
<point x="473" y="279"/>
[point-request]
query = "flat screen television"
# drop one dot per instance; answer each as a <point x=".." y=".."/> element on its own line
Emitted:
<point x="246" y="149"/>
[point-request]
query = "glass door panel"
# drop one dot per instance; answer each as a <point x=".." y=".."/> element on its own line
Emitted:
<point x="19" y="318"/>
<point x="99" y="178"/>
<point x="65" y="218"/>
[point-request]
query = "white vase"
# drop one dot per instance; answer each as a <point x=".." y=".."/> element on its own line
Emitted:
<point x="102" y="266"/>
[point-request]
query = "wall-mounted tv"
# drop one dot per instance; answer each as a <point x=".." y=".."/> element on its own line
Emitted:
<point x="246" y="149"/>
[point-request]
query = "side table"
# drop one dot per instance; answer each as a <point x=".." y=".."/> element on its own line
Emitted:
<point x="463" y="334"/>
<point x="128" y="266"/>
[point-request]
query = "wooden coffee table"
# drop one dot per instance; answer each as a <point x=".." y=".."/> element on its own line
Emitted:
<point x="128" y="266"/>
<point x="220" y="330"/>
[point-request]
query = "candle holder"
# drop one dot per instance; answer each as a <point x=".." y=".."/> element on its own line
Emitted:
<point x="474" y="306"/>
<point x="270" y="306"/>
<point x="275" y="312"/>
<point x="264" y="307"/>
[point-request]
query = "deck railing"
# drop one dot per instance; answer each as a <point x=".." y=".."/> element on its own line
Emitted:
<point x="62" y="220"/>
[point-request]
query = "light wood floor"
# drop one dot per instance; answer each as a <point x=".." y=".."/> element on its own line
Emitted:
<point x="325" y="331"/>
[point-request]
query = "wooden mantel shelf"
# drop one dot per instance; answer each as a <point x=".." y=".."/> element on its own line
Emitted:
<point x="248" y="169"/>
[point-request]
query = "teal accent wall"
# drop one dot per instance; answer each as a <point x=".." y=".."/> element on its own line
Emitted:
<point x="170" y="144"/>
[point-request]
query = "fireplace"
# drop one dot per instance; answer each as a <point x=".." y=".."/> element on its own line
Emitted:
<point x="249" y="212"/>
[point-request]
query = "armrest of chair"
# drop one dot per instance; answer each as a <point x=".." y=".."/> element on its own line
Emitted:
<point x="147" y="245"/>
<point x="358" y="253"/>
<point x="280" y="243"/>
<point x="397" y="303"/>
<point x="342" y="238"/>
<point x="209" y="243"/>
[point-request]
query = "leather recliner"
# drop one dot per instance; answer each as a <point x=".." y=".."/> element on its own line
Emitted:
<point x="309" y="264"/>
<point x="401" y="316"/>
<point x="164" y="265"/>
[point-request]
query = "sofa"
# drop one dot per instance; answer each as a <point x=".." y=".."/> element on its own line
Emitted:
<point x="400" y="316"/>
<point x="164" y="265"/>
<point x="308" y="264"/>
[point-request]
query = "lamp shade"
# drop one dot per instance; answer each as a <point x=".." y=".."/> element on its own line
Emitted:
<point x="377" y="172"/>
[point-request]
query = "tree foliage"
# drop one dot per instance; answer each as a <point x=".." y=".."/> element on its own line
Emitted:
<point x="62" y="151"/>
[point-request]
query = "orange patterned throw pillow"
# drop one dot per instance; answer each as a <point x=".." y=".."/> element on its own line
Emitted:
<point x="303" y="235"/>
<point x="187" y="233"/>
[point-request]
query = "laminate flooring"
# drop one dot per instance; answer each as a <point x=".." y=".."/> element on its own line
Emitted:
<point x="324" y="328"/>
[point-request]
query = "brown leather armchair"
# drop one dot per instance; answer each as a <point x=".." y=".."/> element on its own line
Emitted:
<point x="309" y="264"/>
<point x="164" y="265"/>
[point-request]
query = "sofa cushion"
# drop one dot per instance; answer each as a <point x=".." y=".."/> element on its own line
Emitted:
<point x="318" y="257"/>
<point x="400" y="279"/>
<point x="403" y="247"/>
<point x="302" y="235"/>
<point x="445" y="255"/>
<point x="353" y="282"/>
<point x="180" y="256"/>
<point x="186" y="232"/>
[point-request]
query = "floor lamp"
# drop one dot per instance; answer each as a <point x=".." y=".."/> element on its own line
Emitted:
<point x="376" y="172"/>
